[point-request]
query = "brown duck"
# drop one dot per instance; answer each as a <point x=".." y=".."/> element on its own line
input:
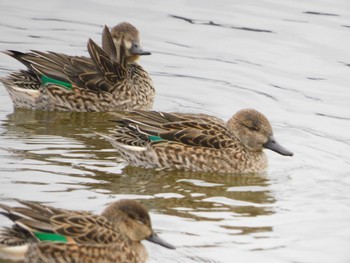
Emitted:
<point x="108" y="80"/>
<point x="195" y="142"/>
<point x="47" y="234"/>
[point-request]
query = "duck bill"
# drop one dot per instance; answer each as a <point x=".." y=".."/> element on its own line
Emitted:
<point x="273" y="145"/>
<point x="154" y="238"/>
<point x="136" y="49"/>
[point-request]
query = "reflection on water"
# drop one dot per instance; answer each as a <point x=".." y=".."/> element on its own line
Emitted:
<point x="57" y="134"/>
<point x="288" y="59"/>
<point x="55" y="123"/>
<point x="179" y="193"/>
<point x="183" y="193"/>
<point x="64" y="144"/>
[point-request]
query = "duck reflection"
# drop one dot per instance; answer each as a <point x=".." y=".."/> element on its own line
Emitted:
<point x="182" y="193"/>
<point x="27" y="124"/>
<point x="56" y="123"/>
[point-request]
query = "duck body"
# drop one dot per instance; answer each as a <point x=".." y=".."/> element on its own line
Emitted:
<point x="47" y="234"/>
<point x="78" y="253"/>
<point x="194" y="142"/>
<point x="108" y="80"/>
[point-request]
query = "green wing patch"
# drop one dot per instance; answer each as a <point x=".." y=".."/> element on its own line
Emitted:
<point x="46" y="80"/>
<point x="50" y="237"/>
<point x="154" y="138"/>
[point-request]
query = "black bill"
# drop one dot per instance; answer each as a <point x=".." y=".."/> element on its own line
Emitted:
<point x="273" y="145"/>
<point x="136" y="49"/>
<point x="156" y="239"/>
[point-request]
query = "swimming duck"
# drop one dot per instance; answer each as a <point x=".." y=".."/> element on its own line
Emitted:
<point x="108" y="80"/>
<point x="46" y="234"/>
<point x="195" y="142"/>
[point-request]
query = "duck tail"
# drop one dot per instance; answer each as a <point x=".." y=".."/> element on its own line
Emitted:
<point x="14" y="253"/>
<point x="17" y="55"/>
<point x="123" y="137"/>
<point x="112" y="140"/>
<point x="21" y="97"/>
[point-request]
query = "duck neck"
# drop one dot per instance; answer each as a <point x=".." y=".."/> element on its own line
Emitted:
<point x="234" y="129"/>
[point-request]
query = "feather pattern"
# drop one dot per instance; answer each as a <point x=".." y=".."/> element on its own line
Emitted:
<point x="195" y="142"/>
<point x="79" y="236"/>
<point x="202" y="132"/>
<point x="108" y="80"/>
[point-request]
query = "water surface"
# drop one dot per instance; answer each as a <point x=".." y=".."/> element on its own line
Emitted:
<point x="288" y="59"/>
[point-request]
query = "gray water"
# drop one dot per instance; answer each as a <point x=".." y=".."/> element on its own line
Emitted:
<point x="288" y="59"/>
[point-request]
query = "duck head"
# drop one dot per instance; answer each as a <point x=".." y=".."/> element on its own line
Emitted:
<point x="131" y="37"/>
<point x="254" y="130"/>
<point x="134" y="221"/>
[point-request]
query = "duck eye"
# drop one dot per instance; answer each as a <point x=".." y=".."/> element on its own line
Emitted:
<point x="140" y="222"/>
<point x="253" y="128"/>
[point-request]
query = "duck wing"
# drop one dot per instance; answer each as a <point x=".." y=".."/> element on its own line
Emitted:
<point x="109" y="65"/>
<point x="54" y="224"/>
<point x="189" y="129"/>
<point x="101" y="72"/>
<point x="49" y="64"/>
<point x="85" y="228"/>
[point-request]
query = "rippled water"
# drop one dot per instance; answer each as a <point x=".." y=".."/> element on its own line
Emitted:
<point x="288" y="59"/>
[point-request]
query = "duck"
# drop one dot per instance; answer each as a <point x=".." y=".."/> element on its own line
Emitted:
<point x="110" y="79"/>
<point x="44" y="233"/>
<point x="194" y="142"/>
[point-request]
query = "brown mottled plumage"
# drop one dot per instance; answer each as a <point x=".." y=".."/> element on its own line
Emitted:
<point x="108" y="80"/>
<point x="113" y="236"/>
<point x="195" y="142"/>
